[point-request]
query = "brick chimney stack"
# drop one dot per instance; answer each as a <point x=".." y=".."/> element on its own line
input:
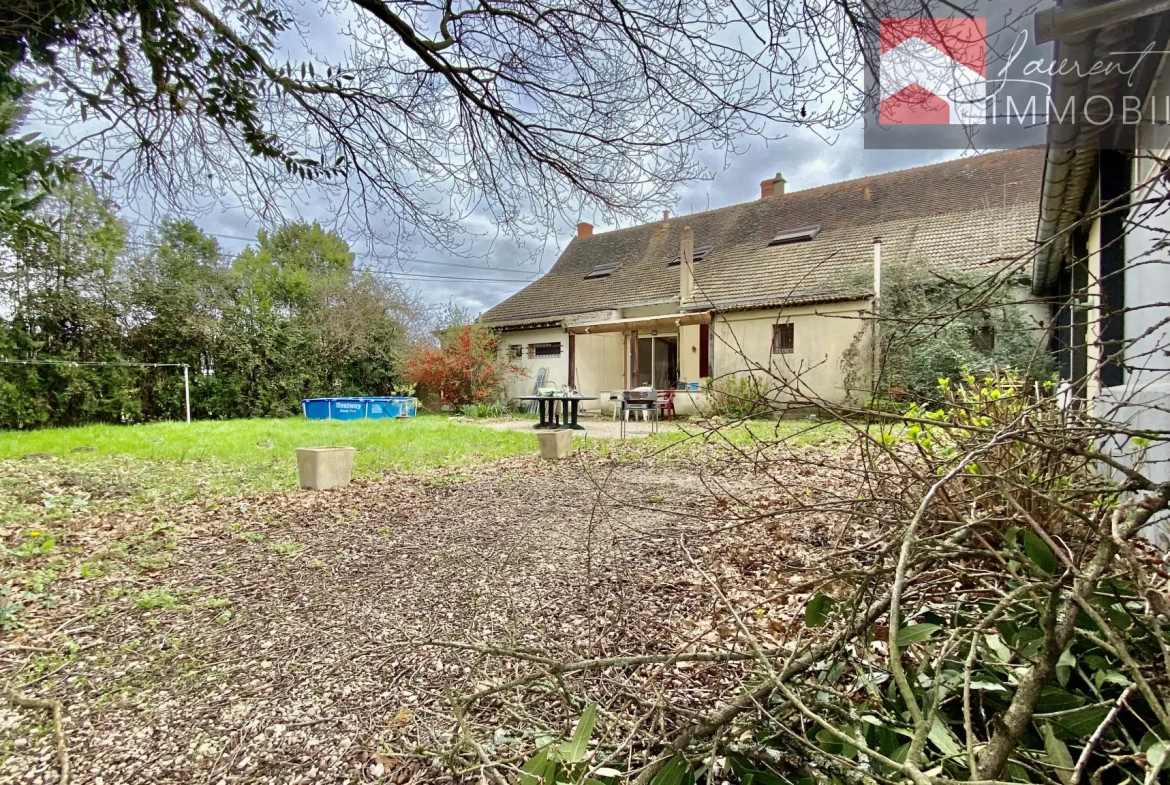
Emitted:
<point x="584" y="229"/>
<point x="773" y="187"/>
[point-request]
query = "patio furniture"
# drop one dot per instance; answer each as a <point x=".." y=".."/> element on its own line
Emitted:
<point x="666" y="403"/>
<point x="545" y="390"/>
<point x="643" y="399"/>
<point x="548" y="405"/>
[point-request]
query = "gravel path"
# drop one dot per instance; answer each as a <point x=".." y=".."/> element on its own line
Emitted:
<point x="602" y="427"/>
<point x="281" y="639"/>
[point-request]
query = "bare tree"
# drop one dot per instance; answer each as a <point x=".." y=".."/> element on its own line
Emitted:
<point x="524" y="109"/>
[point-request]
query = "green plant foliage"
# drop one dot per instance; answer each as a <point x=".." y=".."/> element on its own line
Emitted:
<point x="288" y="319"/>
<point x="1031" y="634"/>
<point x="564" y="762"/>
<point x="737" y="397"/>
<point x="816" y="613"/>
<point x="933" y="327"/>
<point x="945" y="660"/>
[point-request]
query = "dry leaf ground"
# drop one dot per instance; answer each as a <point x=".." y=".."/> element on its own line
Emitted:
<point x="280" y="638"/>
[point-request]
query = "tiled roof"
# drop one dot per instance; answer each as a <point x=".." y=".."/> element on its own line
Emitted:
<point x="956" y="214"/>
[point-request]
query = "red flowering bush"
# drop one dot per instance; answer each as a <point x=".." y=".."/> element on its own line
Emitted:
<point x="465" y="368"/>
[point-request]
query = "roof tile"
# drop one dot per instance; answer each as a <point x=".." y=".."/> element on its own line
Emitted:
<point x="959" y="213"/>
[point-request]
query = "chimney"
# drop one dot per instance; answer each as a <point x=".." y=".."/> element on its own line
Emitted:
<point x="666" y="219"/>
<point x="686" y="267"/>
<point x="584" y="229"/>
<point x="773" y="187"/>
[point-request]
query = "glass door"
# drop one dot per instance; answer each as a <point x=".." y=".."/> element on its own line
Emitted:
<point x="657" y="362"/>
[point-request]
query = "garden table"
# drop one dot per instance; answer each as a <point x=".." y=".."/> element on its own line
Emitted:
<point x="568" y="409"/>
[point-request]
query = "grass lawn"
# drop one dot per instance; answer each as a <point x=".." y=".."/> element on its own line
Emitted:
<point x="61" y="471"/>
<point x="795" y="433"/>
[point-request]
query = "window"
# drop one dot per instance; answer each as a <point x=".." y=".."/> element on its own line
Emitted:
<point x="696" y="255"/>
<point x="603" y="270"/>
<point x="544" y="349"/>
<point x="803" y="234"/>
<point x="515" y="351"/>
<point x="782" y="339"/>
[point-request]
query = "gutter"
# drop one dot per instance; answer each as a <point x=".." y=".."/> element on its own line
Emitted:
<point x="751" y="303"/>
<point x="1062" y="182"/>
<point x="1083" y="34"/>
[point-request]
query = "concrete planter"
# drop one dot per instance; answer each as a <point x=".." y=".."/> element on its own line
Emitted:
<point x="555" y="445"/>
<point x="321" y="468"/>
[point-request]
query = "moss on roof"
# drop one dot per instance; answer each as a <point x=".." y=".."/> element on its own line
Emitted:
<point x="961" y="213"/>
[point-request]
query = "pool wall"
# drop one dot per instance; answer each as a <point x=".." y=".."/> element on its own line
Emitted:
<point x="364" y="408"/>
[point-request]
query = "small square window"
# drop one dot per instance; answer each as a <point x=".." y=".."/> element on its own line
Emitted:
<point x="515" y="351"/>
<point x="783" y="338"/>
<point x="544" y="349"/>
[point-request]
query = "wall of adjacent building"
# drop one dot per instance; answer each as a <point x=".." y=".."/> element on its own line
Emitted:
<point x="1147" y="275"/>
<point x="1142" y="402"/>
<point x="558" y="367"/>
<point x="599" y="360"/>
<point x="821" y="336"/>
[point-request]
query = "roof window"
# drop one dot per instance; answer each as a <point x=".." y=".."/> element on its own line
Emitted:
<point x="698" y="254"/>
<point x="603" y="270"/>
<point x="801" y="235"/>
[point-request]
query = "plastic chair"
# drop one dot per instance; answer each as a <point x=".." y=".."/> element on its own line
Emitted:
<point x="666" y="403"/>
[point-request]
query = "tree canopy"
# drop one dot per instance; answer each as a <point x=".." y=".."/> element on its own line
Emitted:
<point x="285" y="319"/>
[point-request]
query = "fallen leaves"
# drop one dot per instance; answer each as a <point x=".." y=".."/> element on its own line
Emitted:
<point x="277" y="638"/>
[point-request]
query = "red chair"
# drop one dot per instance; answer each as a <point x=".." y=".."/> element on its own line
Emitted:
<point x="666" y="403"/>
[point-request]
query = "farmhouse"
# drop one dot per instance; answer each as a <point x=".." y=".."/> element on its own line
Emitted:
<point x="782" y="283"/>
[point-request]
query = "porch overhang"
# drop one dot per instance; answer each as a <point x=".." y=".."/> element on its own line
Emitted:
<point x="666" y="322"/>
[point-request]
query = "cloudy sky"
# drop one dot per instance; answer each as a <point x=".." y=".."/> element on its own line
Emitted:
<point x="492" y="266"/>
<point x="484" y="279"/>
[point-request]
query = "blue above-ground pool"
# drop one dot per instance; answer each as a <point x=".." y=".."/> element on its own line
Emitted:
<point x="372" y="408"/>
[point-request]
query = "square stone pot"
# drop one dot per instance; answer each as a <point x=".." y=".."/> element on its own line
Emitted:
<point x="321" y="468"/>
<point x="555" y="445"/>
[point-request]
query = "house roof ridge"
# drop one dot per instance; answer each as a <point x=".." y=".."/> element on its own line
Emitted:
<point x="954" y="213"/>
<point x="788" y="196"/>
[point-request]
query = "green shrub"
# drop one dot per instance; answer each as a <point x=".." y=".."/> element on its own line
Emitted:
<point x="736" y="397"/>
<point x="934" y="328"/>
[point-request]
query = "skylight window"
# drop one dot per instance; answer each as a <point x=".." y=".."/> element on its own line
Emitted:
<point x="603" y="270"/>
<point x="801" y="235"/>
<point x="699" y="253"/>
